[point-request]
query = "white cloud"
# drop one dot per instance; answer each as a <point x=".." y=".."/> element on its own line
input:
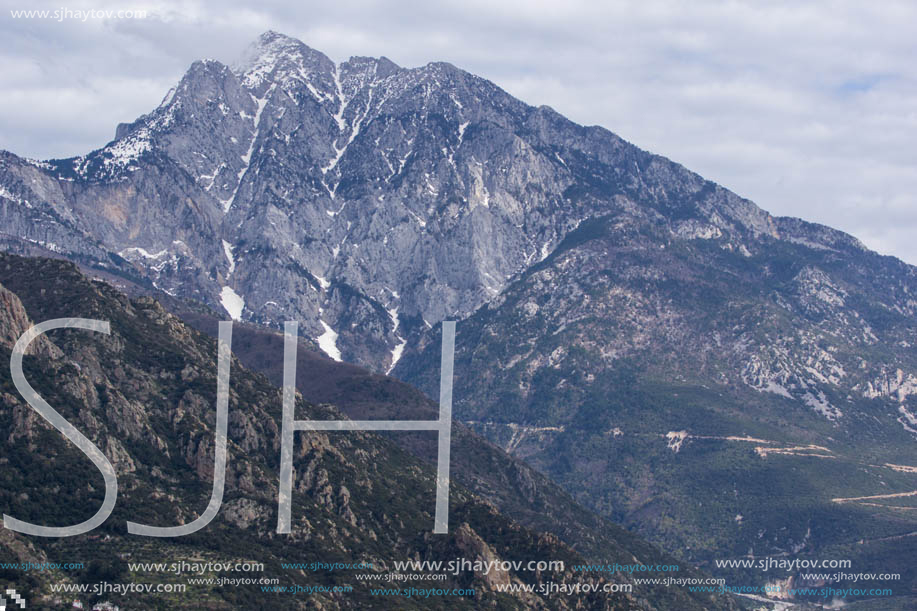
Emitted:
<point x="806" y="108"/>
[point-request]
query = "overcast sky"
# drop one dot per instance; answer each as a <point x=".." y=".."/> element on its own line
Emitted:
<point x="807" y="108"/>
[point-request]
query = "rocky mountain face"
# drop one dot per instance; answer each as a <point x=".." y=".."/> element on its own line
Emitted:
<point x="365" y="200"/>
<point x="729" y="382"/>
<point x="145" y="395"/>
<point x="729" y="395"/>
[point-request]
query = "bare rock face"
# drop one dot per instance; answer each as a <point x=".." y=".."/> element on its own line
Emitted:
<point x="476" y="549"/>
<point x="243" y="512"/>
<point x="119" y="457"/>
<point x="14" y="322"/>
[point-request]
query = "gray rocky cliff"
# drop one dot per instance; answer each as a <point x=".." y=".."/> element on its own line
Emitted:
<point x="365" y="200"/>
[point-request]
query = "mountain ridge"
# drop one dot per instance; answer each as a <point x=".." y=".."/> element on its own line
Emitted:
<point x="327" y="137"/>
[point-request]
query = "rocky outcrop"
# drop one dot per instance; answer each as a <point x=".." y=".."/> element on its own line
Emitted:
<point x="14" y="322"/>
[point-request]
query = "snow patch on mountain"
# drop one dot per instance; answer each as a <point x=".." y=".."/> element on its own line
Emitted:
<point x="232" y="302"/>
<point x="126" y="151"/>
<point x="399" y="348"/>
<point x="328" y="341"/>
<point x="5" y="193"/>
<point x="127" y="252"/>
<point x="227" y="250"/>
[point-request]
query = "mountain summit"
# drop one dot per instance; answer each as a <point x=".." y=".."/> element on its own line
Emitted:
<point x="366" y="200"/>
